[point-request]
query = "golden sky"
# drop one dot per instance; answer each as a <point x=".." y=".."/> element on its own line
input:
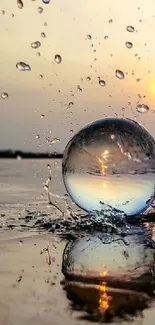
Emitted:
<point x="66" y="25"/>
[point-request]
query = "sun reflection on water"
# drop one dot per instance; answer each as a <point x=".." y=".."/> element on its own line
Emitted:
<point x="103" y="297"/>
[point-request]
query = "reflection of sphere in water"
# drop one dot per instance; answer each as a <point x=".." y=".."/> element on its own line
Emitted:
<point x="110" y="272"/>
<point x="111" y="162"/>
<point x="121" y="261"/>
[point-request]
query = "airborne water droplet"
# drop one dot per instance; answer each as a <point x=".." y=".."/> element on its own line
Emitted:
<point x="130" y="29"/>
<point x="42" y="115"/>
<point x="35" y="44"/>
<point x="142" y="108"/>
<point x="89" y="37"/>
<point x="40" y="10"/>
<point x="129" y="45"/>
<point x="43" y="35"/>
<point x="58" y="58"/>
<point x="37" y="136"/>
<point x="4" y="95"/>
<point x="70" y="104"/>
<point x="52" y="141"/>
<point x="88" y="78"/>
<point x="102" y="83"/>
<point x="79" y="89"/>
<point x="23" y="66"/>
<point x="119" y="74"/>
<point x="46" y="1"/>
<point x="20" y="4"/>
<point x="110" y="21"/>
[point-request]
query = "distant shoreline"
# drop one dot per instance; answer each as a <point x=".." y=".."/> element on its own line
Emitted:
<point x="18" y="154"/>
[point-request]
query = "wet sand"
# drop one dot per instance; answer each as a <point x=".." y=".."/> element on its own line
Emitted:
<point x="30" y="288"/>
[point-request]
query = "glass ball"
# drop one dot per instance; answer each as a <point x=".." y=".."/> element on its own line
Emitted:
<point x="111" y="163"/>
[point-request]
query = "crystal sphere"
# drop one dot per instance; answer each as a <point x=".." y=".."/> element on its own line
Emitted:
<point x="111" y="163"/>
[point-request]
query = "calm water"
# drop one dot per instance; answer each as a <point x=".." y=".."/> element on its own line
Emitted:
<point x="22" y="189"/>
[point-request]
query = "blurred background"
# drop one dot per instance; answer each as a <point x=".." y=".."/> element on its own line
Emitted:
<point x="71" y="77"/>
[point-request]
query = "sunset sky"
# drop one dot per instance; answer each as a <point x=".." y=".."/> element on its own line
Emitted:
<point x="68" y="24"/>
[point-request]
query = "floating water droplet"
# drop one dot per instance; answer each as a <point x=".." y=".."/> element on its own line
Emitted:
<point x="46" y="1"/>
<point x="3" y="12"/>
<point x="70" y="104"/>
<point x="142" y="108"/>
<point x="110" y="21"/>
<point x="40" y="76"/>
<point x="119" y="74"/>
<point x="40" y="10"/>
<point x="138" y="79"/>
<point x="43" y="35"/>
<point x="20" y="4"/>
<point x="42" y="115"/>
<point x="106" y="37"/>
<point x="37" y="136"/>
<point x="129" y="45"/>
<point x="79" y="89"/>
<point x="130" y="29"/>
<point x="58" y="58"/>
<point x="88" y="78"/>
<point x="52" y="141"/>
<point x="89" y="37"/>
<point x="23" y="66"/>
<point x="93" y="158"/>
<point x="4" y="95"/>
<point x="102" y="83"/>
<point x="35" y="44"/>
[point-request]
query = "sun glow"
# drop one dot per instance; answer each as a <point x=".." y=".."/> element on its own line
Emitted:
<point x="104" y="298"/>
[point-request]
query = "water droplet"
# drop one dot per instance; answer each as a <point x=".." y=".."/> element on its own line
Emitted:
<point x="23" y="66"/>
<point x="129" y="45"/>
<point x="20" y="4"/>
<point x="142" y="108"/>
<point x="40" y="10"/>
<point x="130" y="29"/>
<point x="58" y="58"/>
<point x="106" y="37"/>
<point x="35" y="44"/>
<point x="110" y="21"/>
<point x="42" y="115"/>
<point x="3" y="12"/>
<point x="43" y="35"/>
<point x="119" y="74"/>
<point x="52" y="141"/>
<point x="138" y="79"/>
<point x="37" y="136"/>
<point x="92" y="158"/>
<point x="79" y="89"/>
<point x="46" y="1"/>
<point x="102" y="83"/>
<point x="40" y="76"/>
<point x="88" y="78"/>
<point x="70" y="104"/>
<point x="89" y="37"/>
<point x="4" y="95"/>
